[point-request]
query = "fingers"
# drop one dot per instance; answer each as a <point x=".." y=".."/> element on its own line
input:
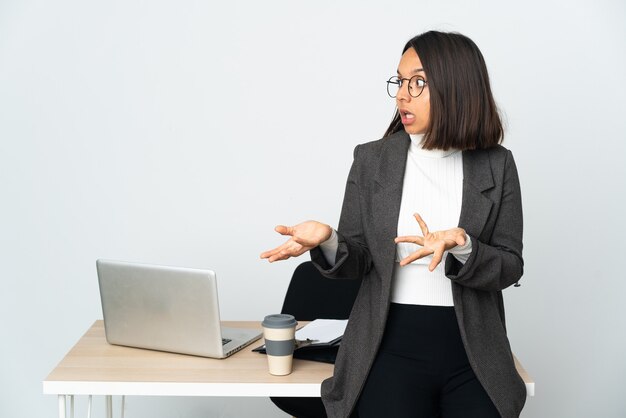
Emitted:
<point x="433" y="243"/>
<point x="273" y="252"/>
<point x="283" y="252"/>
<point x="421" y="223"/>
<point x="269" y="253"/>
<point x="460" y="240"/>
<point x="454" y="237"/>
<point x="296" y="245"/>
<point x="437" y="256"/>
<point x="284" y="230"/>
<point x="305" y="242"/>
<point x="422" y="252"/>
<point x="282" y="255"/>
<point x="415" y="239"/>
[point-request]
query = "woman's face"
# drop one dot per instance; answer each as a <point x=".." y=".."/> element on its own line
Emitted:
<point x="414" y="111"/>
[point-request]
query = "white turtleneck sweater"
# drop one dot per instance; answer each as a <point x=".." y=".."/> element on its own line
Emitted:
<point x="433" y="187"/>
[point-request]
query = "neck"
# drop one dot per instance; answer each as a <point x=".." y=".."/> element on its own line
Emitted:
<point x="417" y="142"/>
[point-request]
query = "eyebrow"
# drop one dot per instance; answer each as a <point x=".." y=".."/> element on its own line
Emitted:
<point x="417" y="70"/>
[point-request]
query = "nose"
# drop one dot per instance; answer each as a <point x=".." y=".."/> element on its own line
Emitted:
<point x="403" y="93"/>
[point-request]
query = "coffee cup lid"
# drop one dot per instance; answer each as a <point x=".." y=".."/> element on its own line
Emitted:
<point x="279" y="321"/>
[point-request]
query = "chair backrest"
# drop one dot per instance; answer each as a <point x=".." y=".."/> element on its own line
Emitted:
<point x="311" y="296"/>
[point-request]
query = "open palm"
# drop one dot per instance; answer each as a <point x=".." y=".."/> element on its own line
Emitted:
<point x="303" y="237"/>
<point x="434" y="243"/>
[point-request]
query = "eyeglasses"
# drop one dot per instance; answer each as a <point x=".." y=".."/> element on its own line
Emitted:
<point x="416" y="85"/>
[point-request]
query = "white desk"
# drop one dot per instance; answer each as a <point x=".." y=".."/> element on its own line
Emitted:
<point x="94" y="367"/>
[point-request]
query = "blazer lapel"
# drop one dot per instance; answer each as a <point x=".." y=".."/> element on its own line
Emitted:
<point x="386" y="199"/>
<point x="477" y="177"/>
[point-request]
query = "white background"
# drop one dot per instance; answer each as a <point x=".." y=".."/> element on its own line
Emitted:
<point x="181" y="133"/>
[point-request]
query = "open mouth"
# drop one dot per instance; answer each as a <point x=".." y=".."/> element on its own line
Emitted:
<point x="406" y="116"/>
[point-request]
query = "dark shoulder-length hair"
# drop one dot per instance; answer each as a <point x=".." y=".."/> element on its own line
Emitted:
<point x="463" y="113"/>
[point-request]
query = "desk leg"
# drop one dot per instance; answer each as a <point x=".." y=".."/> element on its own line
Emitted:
<point x="62" y="406"/>
<point x="109" y="403"/>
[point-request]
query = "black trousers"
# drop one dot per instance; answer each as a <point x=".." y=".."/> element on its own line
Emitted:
<point x="301" y="407"/>
<point x="421" y="369"/>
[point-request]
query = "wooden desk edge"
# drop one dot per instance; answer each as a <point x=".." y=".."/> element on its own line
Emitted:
<point x="51" y="386"/>
<point x="530" y="383"/>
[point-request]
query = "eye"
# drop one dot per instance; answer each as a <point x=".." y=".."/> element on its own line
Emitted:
<point x="394" y="84"/>
<point x="420" y="82"/>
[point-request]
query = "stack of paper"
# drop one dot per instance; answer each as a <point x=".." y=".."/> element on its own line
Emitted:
<point x="322" y="331"/>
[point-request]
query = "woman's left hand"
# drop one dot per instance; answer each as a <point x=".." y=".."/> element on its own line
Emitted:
<point x="432" y="243"/>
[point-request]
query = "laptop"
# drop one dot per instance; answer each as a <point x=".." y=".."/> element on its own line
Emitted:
<point x="163" y="308"/>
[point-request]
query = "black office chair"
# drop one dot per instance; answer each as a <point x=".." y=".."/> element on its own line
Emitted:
<point x="311" y="296"/>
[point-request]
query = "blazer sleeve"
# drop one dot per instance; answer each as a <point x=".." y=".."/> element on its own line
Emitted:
<point x="497" y="264"/>
<point x="353" y="259"/>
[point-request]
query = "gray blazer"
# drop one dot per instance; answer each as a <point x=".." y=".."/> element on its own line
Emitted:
<point x="491" y="214"/>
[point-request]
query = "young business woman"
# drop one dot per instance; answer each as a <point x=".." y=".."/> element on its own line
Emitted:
<point x="432" y="225"/>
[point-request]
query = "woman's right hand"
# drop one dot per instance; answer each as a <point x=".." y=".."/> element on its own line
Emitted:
<point x="303" y="237"/>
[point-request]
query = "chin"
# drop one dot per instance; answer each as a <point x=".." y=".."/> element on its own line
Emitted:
<point x="414" y="131"/>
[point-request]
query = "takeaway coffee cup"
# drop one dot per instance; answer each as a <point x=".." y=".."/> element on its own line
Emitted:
<point x="279" y="331"/>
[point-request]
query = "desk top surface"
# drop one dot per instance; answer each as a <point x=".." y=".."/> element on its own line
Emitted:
<point x="95" y="367"/>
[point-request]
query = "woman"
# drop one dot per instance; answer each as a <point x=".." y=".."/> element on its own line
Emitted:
<point x="426" y="338"/>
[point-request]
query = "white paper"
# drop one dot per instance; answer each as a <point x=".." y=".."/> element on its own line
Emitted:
<point x="322" y="330"/>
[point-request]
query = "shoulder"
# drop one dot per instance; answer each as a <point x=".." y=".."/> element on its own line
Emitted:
<point x="496" y="152"/>
<point x="502" y="157"/>
<point x="485" y="167"/>
<point x="498" y="156"/>
<point x="373" y="149"/>
<point x="379" y="144"/>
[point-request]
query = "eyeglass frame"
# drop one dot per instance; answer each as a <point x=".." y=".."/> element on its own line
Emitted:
<point x="400" y="79"/>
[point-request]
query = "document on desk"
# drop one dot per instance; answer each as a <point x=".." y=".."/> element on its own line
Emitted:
<point x="323" y="331"/>
<point x="318" y="334"/>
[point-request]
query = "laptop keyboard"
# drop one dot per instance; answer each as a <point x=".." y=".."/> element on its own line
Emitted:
<point x="225" y="341"/>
